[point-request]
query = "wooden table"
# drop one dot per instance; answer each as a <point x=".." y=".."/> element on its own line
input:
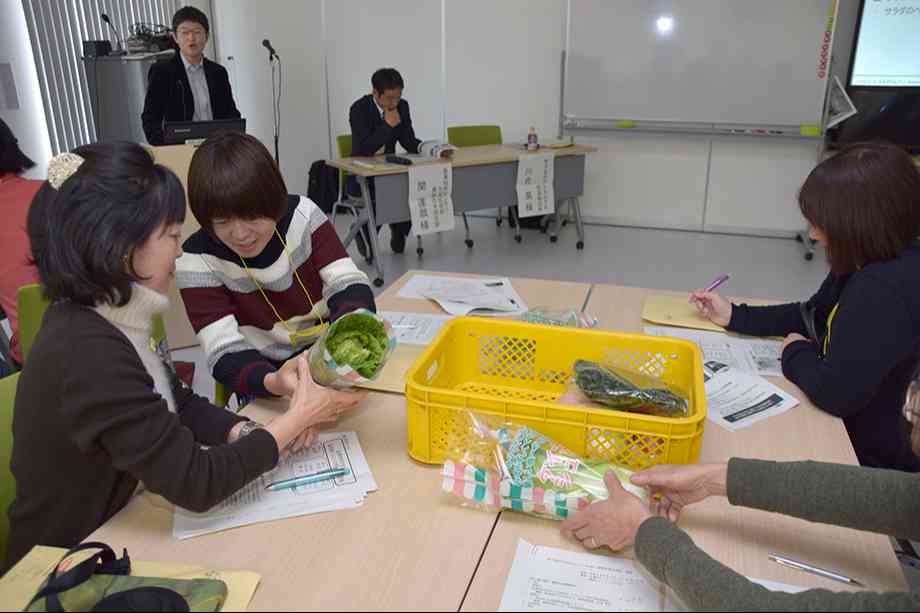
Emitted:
<point x="405" y="549"/>
<point x="483" y="178"/>
<point x="535" y="292"/>
<point x="738" y="537"/>
<point x="411" y="548"/>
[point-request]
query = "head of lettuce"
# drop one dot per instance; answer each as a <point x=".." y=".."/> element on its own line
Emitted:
<point x="353" y="350"/>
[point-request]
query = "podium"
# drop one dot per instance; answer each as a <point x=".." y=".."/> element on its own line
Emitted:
<point x="117" y="87"/>
<point x="178" y="158"/>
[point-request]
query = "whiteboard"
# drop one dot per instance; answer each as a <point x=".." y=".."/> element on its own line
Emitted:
<point x="722" y="61"/>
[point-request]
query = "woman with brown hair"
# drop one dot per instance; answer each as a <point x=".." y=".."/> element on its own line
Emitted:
<point x="852" y="347"/>
<point x="266" y="274"/>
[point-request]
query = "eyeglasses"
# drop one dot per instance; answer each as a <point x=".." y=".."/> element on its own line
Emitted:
<point x="193" y="33"/>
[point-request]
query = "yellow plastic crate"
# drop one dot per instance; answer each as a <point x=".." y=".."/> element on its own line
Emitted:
<point x="517" y="370"/>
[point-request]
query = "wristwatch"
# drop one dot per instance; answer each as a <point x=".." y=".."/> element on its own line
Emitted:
<point x="248" y="428"/>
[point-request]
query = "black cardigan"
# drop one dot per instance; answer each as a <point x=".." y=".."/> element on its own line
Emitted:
<point x="88" y="426"/>
<point x="170" y="98"/>
<point x="872" y="353"/>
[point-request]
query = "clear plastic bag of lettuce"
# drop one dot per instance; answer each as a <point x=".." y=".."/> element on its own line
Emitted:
<point x="353" y="350"/>
<point x="569" y="318"/>
<point x="494" y="465"/>
<point x="614" y="387"/>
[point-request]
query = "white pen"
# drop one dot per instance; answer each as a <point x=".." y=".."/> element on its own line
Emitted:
<point x="808" y="568"/>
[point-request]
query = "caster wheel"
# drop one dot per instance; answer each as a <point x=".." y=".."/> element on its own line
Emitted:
<point x="519" y="238"/>
<point x="378" y="282"/>
<point x="554" y="239"/>
<point x="565" y="222"/>
<point x="369" y="259"/>
<point x="498" y="222"/>
<point x="543" y="230"/>
<point x="798" y="238"/>
<point x="809" y="257"/>
<point x="469" y="243"/>
<point x="580" y="245"/>
<point x="420" y="251"/>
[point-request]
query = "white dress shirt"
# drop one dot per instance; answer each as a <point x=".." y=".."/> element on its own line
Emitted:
<point x="199" y="84"/>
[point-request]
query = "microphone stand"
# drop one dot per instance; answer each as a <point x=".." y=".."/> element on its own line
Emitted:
<point x="273" y="59"/>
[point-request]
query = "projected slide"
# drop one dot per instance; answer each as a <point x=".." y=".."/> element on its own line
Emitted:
<point x="888" y="47"/>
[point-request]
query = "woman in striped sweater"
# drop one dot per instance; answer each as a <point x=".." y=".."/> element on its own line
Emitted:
<point x="266" y="274"/>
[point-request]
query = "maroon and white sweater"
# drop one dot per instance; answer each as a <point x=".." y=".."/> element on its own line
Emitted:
<point x="240" y="334"/>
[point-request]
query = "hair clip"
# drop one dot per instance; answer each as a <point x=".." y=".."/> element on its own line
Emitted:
<point x="61" y="167"/>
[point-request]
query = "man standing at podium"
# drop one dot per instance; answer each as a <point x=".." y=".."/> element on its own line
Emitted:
<point x="188" y="87"/>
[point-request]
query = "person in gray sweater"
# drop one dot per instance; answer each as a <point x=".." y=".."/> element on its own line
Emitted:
<point x="872" y="499"/>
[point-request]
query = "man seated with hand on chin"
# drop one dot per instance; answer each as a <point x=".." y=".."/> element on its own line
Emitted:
<point x="378" y="121"/>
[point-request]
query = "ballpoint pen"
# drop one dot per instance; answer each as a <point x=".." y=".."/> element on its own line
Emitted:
<point x="808" y="568"/>
<point x="323" y="475"/>
<point x="715" y="284"/>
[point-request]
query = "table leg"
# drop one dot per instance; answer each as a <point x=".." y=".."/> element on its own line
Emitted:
<point x="579" y="223"/>
<point x="372" y="229"/>
<point x="554" y="223"/>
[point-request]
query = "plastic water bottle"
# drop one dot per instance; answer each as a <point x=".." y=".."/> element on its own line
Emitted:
<point x="532" y="144"/>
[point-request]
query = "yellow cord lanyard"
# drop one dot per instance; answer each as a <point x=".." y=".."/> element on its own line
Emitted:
<point x="296" y="337"/>
<point x="830" y="322"/>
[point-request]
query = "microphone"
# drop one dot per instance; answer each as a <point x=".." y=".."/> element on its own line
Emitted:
<point x="118" y="50"/>
<point x="271" y="50"/>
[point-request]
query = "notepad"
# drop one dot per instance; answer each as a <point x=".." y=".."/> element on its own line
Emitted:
<point x="677" y="310"/>
<point x="671" y="310"/>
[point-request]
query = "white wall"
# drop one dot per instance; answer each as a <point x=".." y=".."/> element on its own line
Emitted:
<point x="28" y="122"/>
<point x="503" y="64"/>
<point x="365" y="35"/>
<point x="648" y="180"/>
<point x="294" y="28"/>
<point x="753" y="184"/>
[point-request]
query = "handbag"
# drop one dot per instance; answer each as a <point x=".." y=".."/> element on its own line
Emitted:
<point x="103" y="582"/>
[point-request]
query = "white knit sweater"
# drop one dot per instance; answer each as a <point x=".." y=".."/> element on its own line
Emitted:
<point x="135" y="320"/>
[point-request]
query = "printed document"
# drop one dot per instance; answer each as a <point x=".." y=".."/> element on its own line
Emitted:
<point x="737" y="399"/>
<point x="550" y="579"/>
<point x="254" y="504"/>
<point x="415" y="328"/>
<point x="464" y="296"/>
<point x="430" y="203"/>
<point x="754" y="355"/>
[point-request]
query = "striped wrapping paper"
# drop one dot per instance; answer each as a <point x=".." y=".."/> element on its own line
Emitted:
<point x="478" y="485"/>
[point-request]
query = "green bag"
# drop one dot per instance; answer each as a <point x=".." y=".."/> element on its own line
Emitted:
<point x="103" y="583"/>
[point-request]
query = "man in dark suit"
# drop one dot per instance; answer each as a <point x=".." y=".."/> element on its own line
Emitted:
<point x="188" y="87"/>
<point x="378" y="121"/>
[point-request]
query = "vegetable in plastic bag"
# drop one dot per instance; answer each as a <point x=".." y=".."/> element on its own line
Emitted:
<point x="622" y="390"/>
<point x="353" y="349"/>
<point x="569" y="318"/>
<point x="509" y="466"/>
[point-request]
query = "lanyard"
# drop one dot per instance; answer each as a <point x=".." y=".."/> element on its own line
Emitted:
<point x="830" y="322"/>
<point x="296" y="337"/>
